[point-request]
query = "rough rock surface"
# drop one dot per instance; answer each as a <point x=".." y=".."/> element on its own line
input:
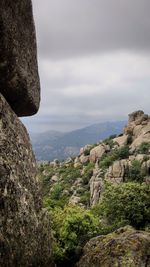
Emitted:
<point x="117" y="172"/>
<point x="96" y="185"/>
<point x="121" y="140"/>
<point x="25" y="231"/>
<point x="19" y="80"/>
<point x="97" y="152"/>
<point x="125" y="248"/>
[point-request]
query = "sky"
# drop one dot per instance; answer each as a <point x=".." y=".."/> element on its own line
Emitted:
<point x="94" y="62"/>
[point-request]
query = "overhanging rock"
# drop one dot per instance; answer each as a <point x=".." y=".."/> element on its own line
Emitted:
<point x="19" y="79"/>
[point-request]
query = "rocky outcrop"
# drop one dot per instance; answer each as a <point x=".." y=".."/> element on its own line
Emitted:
<point x="98" y="151"/>
<point x="117" y="172"/>
<point x="19" y="80"/>
<point x="126" y="247"/>
<point x="96" y="185"/>
<point x="25" y="229"/>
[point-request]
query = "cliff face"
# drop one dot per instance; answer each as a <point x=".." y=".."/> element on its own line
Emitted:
<point x="25" y="231"/>
<point x="25" y="237"/>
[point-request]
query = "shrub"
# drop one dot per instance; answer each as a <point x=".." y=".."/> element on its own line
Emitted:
<point x="123" y="152"/>
<point x="106" y="162"/>
<point x="144" y="148"/>
<point x="72" y="228"/>
<point x="127" y="203"/>
<point x="87" y="173"/>
<point x="129" y="139"/>
<point x="116" y="154"/>
<point x="69" y="174"/>
<point x="86" y="152"/>
<point x="85" y="199"/>
<point x="109" y="141"/>
<point x="135" y="171"/>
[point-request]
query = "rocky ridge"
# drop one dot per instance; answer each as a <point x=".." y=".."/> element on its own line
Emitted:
<point x="110" y="160"/>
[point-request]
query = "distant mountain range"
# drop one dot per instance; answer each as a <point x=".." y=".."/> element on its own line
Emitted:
<point x="57" y="145"/>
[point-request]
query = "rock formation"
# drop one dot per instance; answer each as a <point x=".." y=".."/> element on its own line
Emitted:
<point x="102" y="162"/>
<point x="19" y="81"/>
<point x="25" y="237"/>
<point x="25" y="230"/>
<point x="125" y="247"/>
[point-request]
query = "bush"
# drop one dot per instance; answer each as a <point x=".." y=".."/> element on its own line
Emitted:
<point x="123" y="152"/>
<point x="88" y="172"/>
<point x="135" y="171"/>
<point x="69" y="174"/>
<point x="129" y="139"/>
<point x="85" y="199"/>
<point x="116" y="154"/>
<point x="86" y="152"/>
<point x="106" y="162"/>
<point x="72" y="228"/>
<point x="127" y="203"/>
<point x="144" y="148"/>
<point x="109" y="141"/>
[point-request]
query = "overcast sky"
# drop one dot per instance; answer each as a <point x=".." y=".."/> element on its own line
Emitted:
<point x="94" y="61"/>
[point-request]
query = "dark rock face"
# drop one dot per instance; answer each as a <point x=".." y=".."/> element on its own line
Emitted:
<point x="19" y="80"/>
<point x="125" y="248"/>
<point x="25" y="231"/>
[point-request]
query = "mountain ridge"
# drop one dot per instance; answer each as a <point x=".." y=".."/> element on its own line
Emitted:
<point x="54" y="144"/>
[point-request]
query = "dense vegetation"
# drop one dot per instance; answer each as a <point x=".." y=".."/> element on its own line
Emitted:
<point x="122" y="204"/>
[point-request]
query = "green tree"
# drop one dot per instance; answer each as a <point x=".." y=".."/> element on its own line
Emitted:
<point x="135" y="171"/>
<point x="128" y="203"/>
<point x="72" y="227"/>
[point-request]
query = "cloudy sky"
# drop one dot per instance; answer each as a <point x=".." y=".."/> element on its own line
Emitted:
<point x="94" y="61"/>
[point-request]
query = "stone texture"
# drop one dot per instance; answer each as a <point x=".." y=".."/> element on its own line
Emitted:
<point x="125" y="248"/>
<point x="97" y="152"/>
<point x="25" y="229"/>
<point x="19" y="80"/>
<point x="117" y="172"/>
<point x="96" y="185"/>
<point x="121" y="140"/>
<point x="84" y="159"/>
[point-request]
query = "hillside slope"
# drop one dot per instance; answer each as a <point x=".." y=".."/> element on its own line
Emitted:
<point x="105" y="187"/>
<point x="50" y="145"/>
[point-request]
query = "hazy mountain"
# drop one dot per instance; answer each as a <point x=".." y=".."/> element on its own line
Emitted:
<point x="53" y="144"/>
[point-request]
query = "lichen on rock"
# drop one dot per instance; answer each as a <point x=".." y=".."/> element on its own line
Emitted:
<point x="25" y="236"/>
<point x="125" y="247"/>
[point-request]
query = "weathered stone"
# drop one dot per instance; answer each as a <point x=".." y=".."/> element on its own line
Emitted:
<point x="117" y="172"/>
<point x="84" y="159"/>
<point x="25" y="229"/>
<point x="97" y="152"/>
<point x="19" y="80"/>
<point x="74" y="200"/>
<point x="121" y="140"/>
<point x="136" y="115"/>
<point x="96" y="185"/>
<point x="125" y="247"/>
<point x="85" y="148"/>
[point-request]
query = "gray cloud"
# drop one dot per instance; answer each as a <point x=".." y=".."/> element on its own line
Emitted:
<point x="72" y="28"/>
<point x="94" y="58"/>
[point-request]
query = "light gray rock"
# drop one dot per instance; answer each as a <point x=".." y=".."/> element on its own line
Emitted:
<point x="116" y="173"/>
<point x="97" y="152"/>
